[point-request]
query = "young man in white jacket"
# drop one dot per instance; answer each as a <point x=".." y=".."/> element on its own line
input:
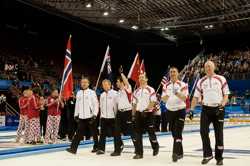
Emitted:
<point x="108" y="102"/>
<point x="86" y="111"/>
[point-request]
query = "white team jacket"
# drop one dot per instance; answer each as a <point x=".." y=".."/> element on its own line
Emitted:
<point x="86" y="104"/>
<point x="108" y="104"/>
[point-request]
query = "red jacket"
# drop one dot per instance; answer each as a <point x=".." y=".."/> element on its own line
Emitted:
<point x="33" y="107"/>
<point x="52" y="106"/>
<point x="23" y="105"/>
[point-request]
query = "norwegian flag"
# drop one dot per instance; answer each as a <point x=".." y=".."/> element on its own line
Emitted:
<point x="106" y="66"/>
<point x="165" y="78"/>
<point x="9" y="67"/>
<point x="67" y="80"/>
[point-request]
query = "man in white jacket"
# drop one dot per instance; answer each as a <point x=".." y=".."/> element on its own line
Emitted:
<point x="86" y="111"/>
<point x="108" y="102"/>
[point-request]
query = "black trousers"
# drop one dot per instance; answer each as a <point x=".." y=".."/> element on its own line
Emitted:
<point x="123" y="118"/>
<point x="164" y="123"/>
<point x="208" y="115"/>
<point x="72" y="127"/>
<point x="82" y="125"/>
<point x="63" y="127"/>
<point x="43" y="122"/>
<point x="157" y="122"/>
<point x="146" y="123"/>
<point x="105" y="124"/>
<point x="176" y="122"/>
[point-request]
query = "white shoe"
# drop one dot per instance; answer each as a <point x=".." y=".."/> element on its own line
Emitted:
<point x="54" y="142"/>
<point x="16" y="141"/>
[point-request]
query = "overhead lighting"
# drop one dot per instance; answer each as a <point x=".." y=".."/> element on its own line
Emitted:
<point x="201" y="41"/>
<point x="211" y="26"/>
<point x="105" y="13"/>
<point x="88" y="5"/>
<point x="166" y="28"/>
<point x="162" y="29"/>
<point x="134" y="27"/>
<point x="121" y="20"/>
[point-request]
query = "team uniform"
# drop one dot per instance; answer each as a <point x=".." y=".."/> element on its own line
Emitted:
<point x="86" y="107"/>
<point x="176" y="112"/>
<point x="33" y="118"/>
<point x="108" y="102"/>
<point x="213" y="89"/>
<point x="23" y="105"/>
<point x="123" y="117"/>
<point x="54" y="116"/>
<point x="157" y="119"/>
<point x="142" y="98"/>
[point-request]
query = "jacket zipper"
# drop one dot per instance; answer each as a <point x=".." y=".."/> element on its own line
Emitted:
<point x="107" y="104"/>
<point x="142" y="92"/>
<point x="210" y="82"/>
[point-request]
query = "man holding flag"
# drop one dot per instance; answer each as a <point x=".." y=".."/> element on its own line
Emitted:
<point x="175" y="93"/>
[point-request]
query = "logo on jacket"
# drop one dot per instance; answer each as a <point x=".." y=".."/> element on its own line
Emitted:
<point x="110" y="97"/>
<point x="216" y="83"/>
<point x="87" y="97"/>
<point x="145" y="93"/>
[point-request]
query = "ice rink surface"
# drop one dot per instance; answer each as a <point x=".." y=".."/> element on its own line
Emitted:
<point x="236" y="152"/>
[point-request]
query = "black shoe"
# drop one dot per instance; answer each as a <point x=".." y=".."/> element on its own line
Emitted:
<point x="39" y="143"/>
<point x="94" y="150"/>
<point x="219" y="162"/>
<point x="206" y="160"/>
<point x="175" y="157"/>
<point x="180" y="157"/>
<point x="33" y="143"/>
<point x="137" y="156"/>
<point x="100" y="152"/>
<point x="121" y="148"/>
<point x="115" y="154"/>
<point x="70" y="140"/>
<point x="156" y="151"/>
<point x="71" y="150"/>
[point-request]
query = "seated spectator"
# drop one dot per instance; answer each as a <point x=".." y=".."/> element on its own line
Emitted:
<point x="242" y="100"/>
<point x="236" y="94"/>
<point x="247" y="94"/>
<point x="233" y="101"/>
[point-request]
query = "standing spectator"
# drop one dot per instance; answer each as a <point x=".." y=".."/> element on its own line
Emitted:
<point x="247" y="94"/>
<point x="72" y="124"/>
<point x="63" y="122"/>
<point x="43" y="117"/>
<point x="233" y="101"/>
<point x="242" y="100"/>
<point x="35" y="65"/>
<point x="236" y="94"/>
<point x="51" y="63"/>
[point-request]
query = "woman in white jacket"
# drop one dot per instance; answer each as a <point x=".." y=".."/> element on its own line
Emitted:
<point x="86" y="111"/>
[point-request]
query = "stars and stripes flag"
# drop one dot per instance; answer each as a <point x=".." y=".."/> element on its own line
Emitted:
<point x="67" y="80"/>
<point x="106" y="67"/>
<point x="187" y="101"/>
<point x="165" y="78"/>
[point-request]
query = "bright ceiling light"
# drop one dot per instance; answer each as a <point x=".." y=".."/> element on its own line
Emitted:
<point x="105" y="13"/>
<point x="88" y="5"/>
<point x="162" y="29"/>
<point x="134" y="27"/>
<point x="166" y="28"/>
<point x="121" y="20"/>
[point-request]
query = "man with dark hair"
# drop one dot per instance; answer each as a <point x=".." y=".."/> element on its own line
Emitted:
<point x="86" y="111"/>
<point x="143" y="102"/>
<point x="123" y="113"/>
<point x="33" y="117"/>
<point x="175" y="93"/>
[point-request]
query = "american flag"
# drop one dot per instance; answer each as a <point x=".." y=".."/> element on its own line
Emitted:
<point x="165" y="78"/>
<point x="67" y="80"/>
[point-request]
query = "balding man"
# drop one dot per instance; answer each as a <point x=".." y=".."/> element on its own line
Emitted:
<point x="215" y="93"/>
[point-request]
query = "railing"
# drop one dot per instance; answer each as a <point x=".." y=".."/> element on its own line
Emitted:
<point x="14" y="90"/>
<point x="11" y="110"/>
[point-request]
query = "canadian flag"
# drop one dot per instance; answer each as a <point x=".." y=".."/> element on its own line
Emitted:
<point x="9" y="67"/>
<point x="143" y="71"/>
<point x="135" y="70"/>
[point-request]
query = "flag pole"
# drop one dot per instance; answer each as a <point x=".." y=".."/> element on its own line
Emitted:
<point x="193" y="84"/>
<point x="158" y="88"/>
<point x="103" y="63"/>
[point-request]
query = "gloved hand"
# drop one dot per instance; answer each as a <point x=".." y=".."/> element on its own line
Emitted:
<point x="175" y="91"/>
<point x="167" y="92"/>
<point x="144" y="113"/>
<point x="191" y="114"/>
<point x="219" y="110"/>
<point x="133" y="118"/>
<point x="76" y="118"/>
<point x="93" y="119"/>
<point x="120" y="69"/>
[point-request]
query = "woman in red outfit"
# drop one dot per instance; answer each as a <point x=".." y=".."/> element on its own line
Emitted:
<point x="55" y="104"/>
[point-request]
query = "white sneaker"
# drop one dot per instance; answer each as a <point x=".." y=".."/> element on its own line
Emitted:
<point x="16" y="141"/>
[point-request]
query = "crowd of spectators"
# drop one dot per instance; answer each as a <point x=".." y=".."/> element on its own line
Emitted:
<point x="225" y="62"/>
